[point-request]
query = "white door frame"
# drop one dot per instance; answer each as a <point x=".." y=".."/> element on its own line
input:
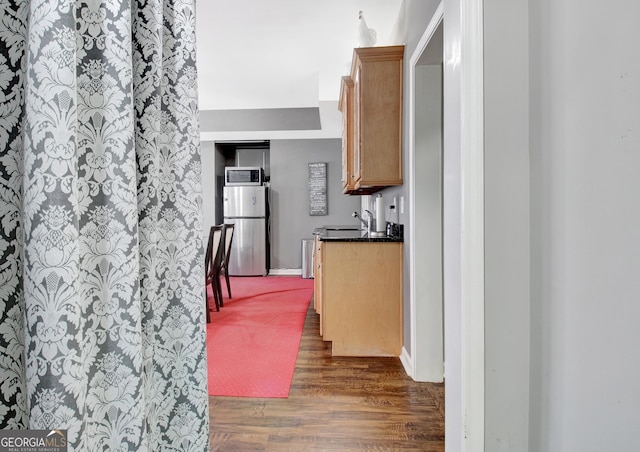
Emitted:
<point x="472" y="223"/>
<point x="422" y="365"/>
<point x="468" y="353"/>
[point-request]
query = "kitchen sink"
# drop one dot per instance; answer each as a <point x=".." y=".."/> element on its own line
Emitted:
<point x="344" y="233"/>
<point x="343" y="228"/>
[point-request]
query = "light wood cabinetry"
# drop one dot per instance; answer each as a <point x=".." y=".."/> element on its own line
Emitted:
<point x="317" y="278"/>
<point x="345" y="105"/>
<point x="374" y="156"/>
<point x="360" y="297"/>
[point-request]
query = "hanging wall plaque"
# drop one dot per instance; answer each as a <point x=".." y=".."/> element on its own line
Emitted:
<point x="318" y="188"/>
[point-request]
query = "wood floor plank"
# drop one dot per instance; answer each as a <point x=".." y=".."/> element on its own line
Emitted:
<point x="335" y="404"/>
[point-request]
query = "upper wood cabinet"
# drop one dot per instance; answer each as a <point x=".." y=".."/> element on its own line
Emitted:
<point x="375" y="161"/>
<point x="345" y="105"/>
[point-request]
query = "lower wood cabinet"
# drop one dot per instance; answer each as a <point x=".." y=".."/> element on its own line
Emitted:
<point x="317" y="278"/>
<point x="359" y="297"/>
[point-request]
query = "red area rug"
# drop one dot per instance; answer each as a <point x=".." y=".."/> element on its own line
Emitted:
<point x="252" y="343"/>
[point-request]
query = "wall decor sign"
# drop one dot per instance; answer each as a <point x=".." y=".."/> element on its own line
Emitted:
<point x="318" y="188"/>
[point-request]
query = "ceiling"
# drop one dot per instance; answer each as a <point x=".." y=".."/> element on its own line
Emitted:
<point x="257" y="54"/>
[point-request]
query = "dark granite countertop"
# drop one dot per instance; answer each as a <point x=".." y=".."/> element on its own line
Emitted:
<point x="346" y="234"/>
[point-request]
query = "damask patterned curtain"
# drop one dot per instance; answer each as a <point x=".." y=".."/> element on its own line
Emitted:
<point x="102" y="330"/>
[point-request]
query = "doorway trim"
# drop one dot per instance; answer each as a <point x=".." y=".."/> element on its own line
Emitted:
<point x="472" y="224"/>
<point x="422" y="368"/>
<point x="465" y="389"/>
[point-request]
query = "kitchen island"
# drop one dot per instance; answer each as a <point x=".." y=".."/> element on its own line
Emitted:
<point x="358" y="292"/>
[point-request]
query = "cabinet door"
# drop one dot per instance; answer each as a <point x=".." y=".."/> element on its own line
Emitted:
<point x="377" y="155"/>
<point x="346" y="107"/>
<point x="357" y="127"/>
<point x="362" y="298"/>
<point x="317" y="282"/>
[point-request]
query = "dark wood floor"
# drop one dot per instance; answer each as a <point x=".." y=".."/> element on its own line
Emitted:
<point x="335" y="404"/>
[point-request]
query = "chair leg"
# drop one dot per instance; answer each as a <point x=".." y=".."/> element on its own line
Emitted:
<point x="215" y="293"/>
<point x="220" y="291"/>
<point x="207" y="307"/>
<point x="226" y="277"/>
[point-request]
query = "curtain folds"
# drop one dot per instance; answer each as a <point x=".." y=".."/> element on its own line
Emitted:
<point x="102" y="329"/>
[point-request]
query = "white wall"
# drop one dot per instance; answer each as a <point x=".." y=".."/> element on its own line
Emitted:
<point x="506" y="197"/>
<point x="583" y="132"/>
<point x="585" y="162"/>
<point x="427" y="212"/>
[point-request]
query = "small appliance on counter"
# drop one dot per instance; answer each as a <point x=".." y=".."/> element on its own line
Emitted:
<point x="395" y="230"/>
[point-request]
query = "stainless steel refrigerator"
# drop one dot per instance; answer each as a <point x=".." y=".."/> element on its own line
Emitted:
<point x="247" y="208"/>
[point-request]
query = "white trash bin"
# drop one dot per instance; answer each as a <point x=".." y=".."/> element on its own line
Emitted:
<point x="307" y="258"/>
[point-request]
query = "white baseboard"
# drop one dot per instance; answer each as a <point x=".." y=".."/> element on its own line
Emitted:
<point x="406" y="361"/>
<point x="285" y="271"/>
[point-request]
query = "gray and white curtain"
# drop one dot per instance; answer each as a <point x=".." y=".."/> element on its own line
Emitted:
<point x="102" y="329"/>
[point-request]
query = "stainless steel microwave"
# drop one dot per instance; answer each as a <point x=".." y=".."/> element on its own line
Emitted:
<point x="243" y="175"/>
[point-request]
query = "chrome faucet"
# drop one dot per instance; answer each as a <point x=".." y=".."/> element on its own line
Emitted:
<point x="367" y="223"/>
